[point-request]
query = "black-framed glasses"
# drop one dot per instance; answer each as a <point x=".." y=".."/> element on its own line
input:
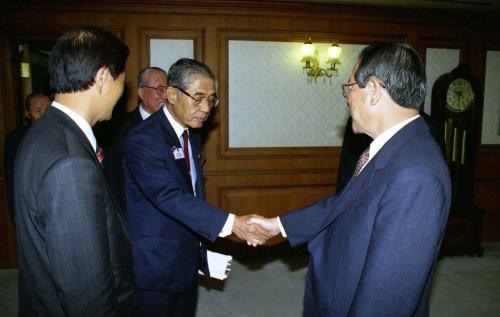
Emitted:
<point x="345" y="89"/>
<point x="212" y="100"/>
<point x="160" y="90"/>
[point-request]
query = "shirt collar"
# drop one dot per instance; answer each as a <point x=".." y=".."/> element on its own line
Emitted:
<point x="143" y="112"/>
<point x="385" y="136"/>
<point x="80" y="122"/>
<point x="178" y="128"/>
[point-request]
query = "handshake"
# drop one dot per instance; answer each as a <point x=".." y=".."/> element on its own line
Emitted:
<point x="254" y="229"/>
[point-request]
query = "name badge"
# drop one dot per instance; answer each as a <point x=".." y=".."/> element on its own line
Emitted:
<point x="178" y="153"/>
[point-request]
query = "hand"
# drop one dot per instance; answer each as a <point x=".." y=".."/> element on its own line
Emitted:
<point x="253" y="234"/>
<point x="268" y="224"/>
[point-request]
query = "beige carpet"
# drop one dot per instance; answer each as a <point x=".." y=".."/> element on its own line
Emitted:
<point x="463" y="286"/>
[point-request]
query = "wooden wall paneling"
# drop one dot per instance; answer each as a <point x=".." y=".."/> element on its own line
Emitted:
<point x="487" y="189"/>
<point x="233" y="173"/>
<point x="7" y="123"/>
<point x="7" y="234"/>
<point x="271" y="201"/>
<point x="425" y="42"/>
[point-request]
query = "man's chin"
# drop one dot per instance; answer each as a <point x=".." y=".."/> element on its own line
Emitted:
<point x="197" y="123"/>
<point x="356" y="129"/>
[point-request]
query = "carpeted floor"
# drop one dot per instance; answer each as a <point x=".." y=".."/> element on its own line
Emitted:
<point x="463" y="286"/>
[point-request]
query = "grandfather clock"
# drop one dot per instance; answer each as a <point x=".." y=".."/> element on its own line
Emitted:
<point x="455" y="102"/>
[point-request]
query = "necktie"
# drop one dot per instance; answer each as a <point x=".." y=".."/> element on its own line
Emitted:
<point x="99" y="154"/>
<point x="186" y="150"/>
<point x="363" y="159"/>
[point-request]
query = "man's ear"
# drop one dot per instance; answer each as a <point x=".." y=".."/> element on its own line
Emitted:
<point x="27" y="115"/>
<point x="140" y="92"/>
<point x="375" y="92"/>
<point x="172" y="95"/>
<point x="100" y="78"/>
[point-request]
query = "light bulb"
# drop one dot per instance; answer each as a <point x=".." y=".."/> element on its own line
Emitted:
<point x="308" y="49"/>
<point x="334" y="51"/>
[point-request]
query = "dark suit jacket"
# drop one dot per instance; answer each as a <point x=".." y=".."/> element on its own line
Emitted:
<point x="373" y="247"/>
<point x="74" y="255"/>
<point x="12" y="141"/>
<point x="113" y="157"/>
<point x="354" y="144"/>
<point x="164" y="219"/>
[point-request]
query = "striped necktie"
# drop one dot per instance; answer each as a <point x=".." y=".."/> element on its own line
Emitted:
<point x="363" y="159"/>
<point x="185" y="147"/>
<point x="99" y="154"/>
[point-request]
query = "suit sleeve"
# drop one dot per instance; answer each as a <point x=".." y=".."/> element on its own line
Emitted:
<point x="404" y="245"/>
<point x="301" y="225"/>
<point x="76" y="237"/>
<point x="153" y="169"/>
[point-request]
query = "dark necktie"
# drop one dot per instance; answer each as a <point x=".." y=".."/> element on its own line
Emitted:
<point x="99" y="154"/>
<point x="186" y="150"/>
<point x="363" y="159"/>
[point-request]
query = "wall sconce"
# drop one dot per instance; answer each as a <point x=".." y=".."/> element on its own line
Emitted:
<point x="311" y="60"/>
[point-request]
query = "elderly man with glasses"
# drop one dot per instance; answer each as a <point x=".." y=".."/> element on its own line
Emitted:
<point x="166" y="216"/>
<point x="152" y="84"/>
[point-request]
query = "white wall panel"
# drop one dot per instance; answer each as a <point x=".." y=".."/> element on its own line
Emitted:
<point x="491" y="110"/>
<point x="271" y="104"/>
<point x="165" y="52"/>
<point x="438" y="62"/>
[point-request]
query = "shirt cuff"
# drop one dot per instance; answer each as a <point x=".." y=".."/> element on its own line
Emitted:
<point x="228" y="226"/>
<point x="282" y="229"/>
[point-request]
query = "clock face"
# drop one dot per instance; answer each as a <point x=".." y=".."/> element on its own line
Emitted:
<point x="460" y="95"/>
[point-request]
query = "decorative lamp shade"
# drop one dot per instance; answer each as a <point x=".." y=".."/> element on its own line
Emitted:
<point x="334" y="51"/>
<point x="308" y="49"/>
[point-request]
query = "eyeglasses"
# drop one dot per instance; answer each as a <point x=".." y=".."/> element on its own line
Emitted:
<point x="212" y="100"/>
<point x="160" y="90"/>
<point x="345" y="89"/>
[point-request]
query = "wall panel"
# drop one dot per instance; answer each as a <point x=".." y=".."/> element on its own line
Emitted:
<point x="269" y="178"/>
<point x="270" y="200"/>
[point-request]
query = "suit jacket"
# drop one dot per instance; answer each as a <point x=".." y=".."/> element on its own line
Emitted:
<point x="354" y="144"/>
<point x="164" y="219"/>
<point x="74" y="256"/>
<point x="113" y="158"/>
<point x="12" y="141"/>
<point x="373" y="247"/>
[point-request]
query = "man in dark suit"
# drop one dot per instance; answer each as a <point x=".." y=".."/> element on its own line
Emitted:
<point x="167" y="218"/>
<point x="152" y="84"/>
<point x="74" y="256"/>
<point x="373" y="248"/>
<point x="34" y="107"/>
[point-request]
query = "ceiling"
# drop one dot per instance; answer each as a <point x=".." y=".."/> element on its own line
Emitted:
<point x="478" y="6"/>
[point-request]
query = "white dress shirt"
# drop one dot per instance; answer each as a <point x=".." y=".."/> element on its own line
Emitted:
<point x="80" y="122"/>
<point x="179" y="130"/>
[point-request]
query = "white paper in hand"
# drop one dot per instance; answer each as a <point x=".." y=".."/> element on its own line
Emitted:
<point x="218" y="265"/>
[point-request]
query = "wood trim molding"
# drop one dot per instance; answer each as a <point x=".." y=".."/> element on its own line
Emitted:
<point x="425" y="42"/>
